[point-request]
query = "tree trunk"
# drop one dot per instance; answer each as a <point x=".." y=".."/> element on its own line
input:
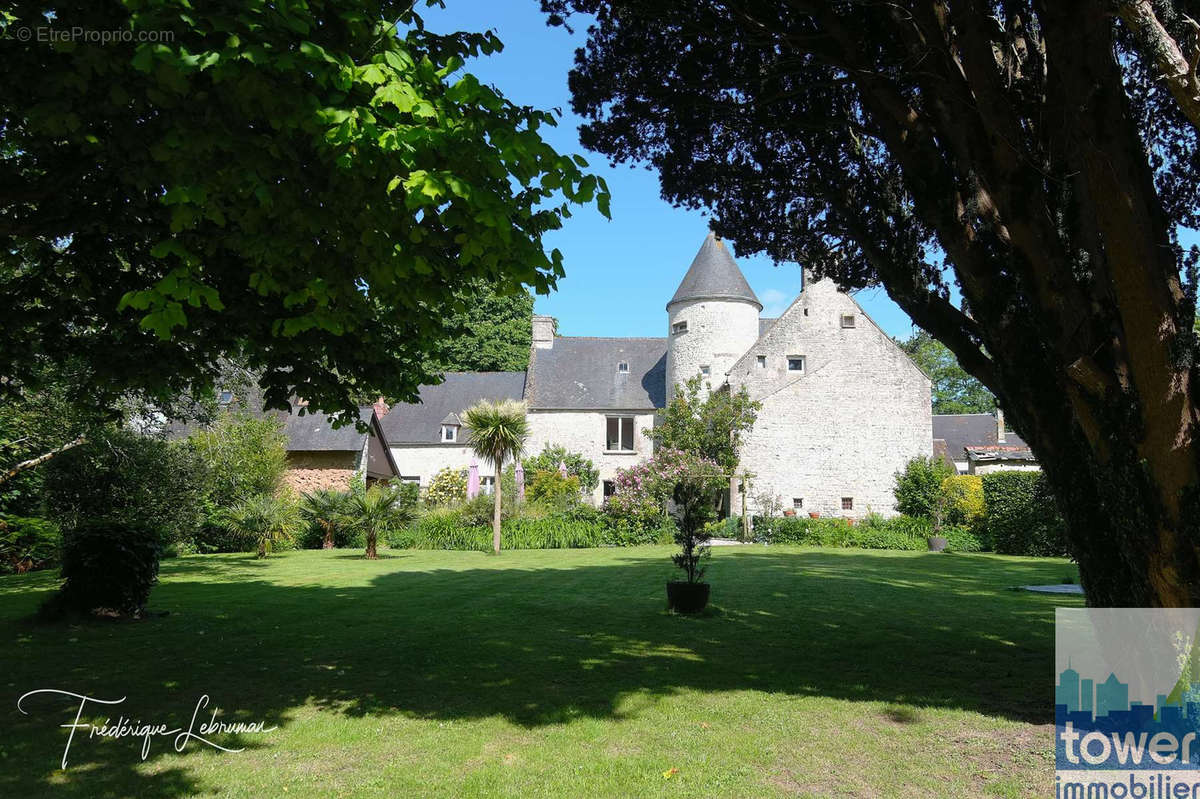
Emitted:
<point x="371" y="553"/>
<point x="328" y="542"/>
<point x="496" y="514"/>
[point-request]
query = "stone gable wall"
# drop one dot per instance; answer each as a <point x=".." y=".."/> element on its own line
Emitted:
<point x="584" y="432"/>
<point x="860" y="410"/>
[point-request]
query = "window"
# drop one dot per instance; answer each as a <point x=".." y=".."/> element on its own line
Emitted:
<point x="610" y="488"/>
<point x="796" y="363"/>
<point x="848" y="320"/>
<point x="679" y="327"/>
<point x="797" y="503"/>
<point x="449" y="432"/>
<point x="619" y="434"/>
<point x="623" y="367"/>
<point x="705" y="370"/>
<point x="487" y="485"/>
<point x="847" y="503"/>
<point x="762" y="362"/>
<point x="225" y="397"/>
<point x="806" y="312"/>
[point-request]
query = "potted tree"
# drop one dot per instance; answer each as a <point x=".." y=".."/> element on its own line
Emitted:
<point x="699" y="480"/>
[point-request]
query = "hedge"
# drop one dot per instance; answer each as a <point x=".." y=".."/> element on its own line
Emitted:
<point x="570" y="529"/>
<point x="900" y="532"/>
<point x="1020" y="515"/>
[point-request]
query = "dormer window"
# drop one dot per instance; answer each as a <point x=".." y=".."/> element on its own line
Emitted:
<point x="796" y="364"/>
<point x="679" y="327"/>
<point x="848" y="320"/>
<point x="623" y="368"/>
<point x="449" y="433"/>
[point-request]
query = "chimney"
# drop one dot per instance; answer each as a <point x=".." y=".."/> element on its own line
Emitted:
<point x="1001" y="436"/>
<point x="381" y="408"/>
<point x="543" y="332"/>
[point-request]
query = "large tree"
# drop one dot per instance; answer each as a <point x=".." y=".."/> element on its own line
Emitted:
<point x="484" y="330"/>
<point x="1025" y="150"/>
<point x="954" y="391"/>
<point x="299" y="186"/>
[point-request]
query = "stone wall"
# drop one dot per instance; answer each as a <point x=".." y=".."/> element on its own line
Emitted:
<point x="584" y="432"/>
<point x="426" y="460"/>
<point x="718" y="334"/>
<point x="310" y="471"/>
<point x="846" y="424"/>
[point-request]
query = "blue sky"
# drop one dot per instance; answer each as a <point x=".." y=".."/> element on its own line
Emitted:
<point x="620" y="273"/>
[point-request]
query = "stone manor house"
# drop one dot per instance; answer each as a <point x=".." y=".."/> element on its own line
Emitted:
<point x="843" y="407"/>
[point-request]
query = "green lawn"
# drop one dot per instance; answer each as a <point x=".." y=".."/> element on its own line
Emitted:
<point x="554" y="673"/>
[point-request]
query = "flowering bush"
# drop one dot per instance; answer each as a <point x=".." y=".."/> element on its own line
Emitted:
<point x="448" y="487"/>
<point x="642" y="491"/>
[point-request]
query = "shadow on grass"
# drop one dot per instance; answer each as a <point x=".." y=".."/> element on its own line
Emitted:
<point x="534" y="640"/>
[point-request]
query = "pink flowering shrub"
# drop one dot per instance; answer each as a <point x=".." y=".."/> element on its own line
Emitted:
<point x="643" y="490"/>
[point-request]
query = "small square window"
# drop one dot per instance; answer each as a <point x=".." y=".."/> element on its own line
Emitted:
<point x="847" y="503"/>
<point x="623" y="367"/>
<point x="679" y="327"/>
<point x="449" y="432"/>
<point x="761" y="362"/>
<point x="848" y="320"/>
<point x="610" y="488"/>
<point x="797" y="503"/>
<point x="705" y="370"/>
<point x="796" y="363"/>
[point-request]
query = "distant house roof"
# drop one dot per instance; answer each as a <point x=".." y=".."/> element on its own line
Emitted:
<point x="714" y="275"/>
<point x="313" y="432"/>
<point x="1000" y="453"/>
<point x="581" y="372"/>
<point x="963" y="430"/>
<point x="421" y="422"/>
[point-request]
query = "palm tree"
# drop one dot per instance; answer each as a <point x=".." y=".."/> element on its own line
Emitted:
<point x="376" y="510"/>
<point x="264" y="520"/>
<point x="496" y="431"/>
<point x="325" y="508"/>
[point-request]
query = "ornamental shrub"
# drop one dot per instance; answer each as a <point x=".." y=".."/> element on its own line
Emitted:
<point x="963" y="496"/>
<point x="643" y="491"/>
<point x="124" y="476"/>
<point x="918" y="488"/>
<point x="107" y="564"/>
<point x="246" y="457"/>
<point x="1020" y="515"/>
<point x="550" y="486"/>
<point x="448" y="487"/>
<point x="578" y="466"/>
<point x="28" y="544"/>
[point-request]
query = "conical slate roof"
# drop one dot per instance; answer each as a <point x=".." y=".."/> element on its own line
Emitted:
<point x="714" y="275"/>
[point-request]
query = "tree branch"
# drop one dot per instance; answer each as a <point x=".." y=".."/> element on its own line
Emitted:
<point x="1157" y="44"/>
<point x="39" y="460"/>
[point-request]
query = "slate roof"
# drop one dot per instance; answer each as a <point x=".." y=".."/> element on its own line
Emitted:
<point x="764" y="325"/>
<point x="421" y="422"/>
<point x="975" y="430"/>
<point x="581" y="373"/>
<point x="714" y="275"/>
<point x="312" y="432"/>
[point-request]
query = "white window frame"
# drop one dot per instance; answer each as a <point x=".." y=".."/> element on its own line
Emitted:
<point x="623" y="367"/>
<point x="760" y="361"/>
<point x="679" y="327"/>
<point x="802" y="361"/>
<point x="849" y="320"/>
<point x="625" y="424"/>
<point x="705" y="370"/>
<point x="452" y="431"/>
<point x="797" y="503"/>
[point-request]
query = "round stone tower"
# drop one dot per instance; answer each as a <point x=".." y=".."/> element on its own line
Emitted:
<point x="712" y="319"/>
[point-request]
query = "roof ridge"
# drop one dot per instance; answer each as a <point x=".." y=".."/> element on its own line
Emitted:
<point x="618" y="338"/>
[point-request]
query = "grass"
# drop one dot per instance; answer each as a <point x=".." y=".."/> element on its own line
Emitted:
<point x="553" y="673"/>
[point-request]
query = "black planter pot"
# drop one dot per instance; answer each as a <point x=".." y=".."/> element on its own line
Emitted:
<point x="685" y="597"/>
<point x="937" y="543"/>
